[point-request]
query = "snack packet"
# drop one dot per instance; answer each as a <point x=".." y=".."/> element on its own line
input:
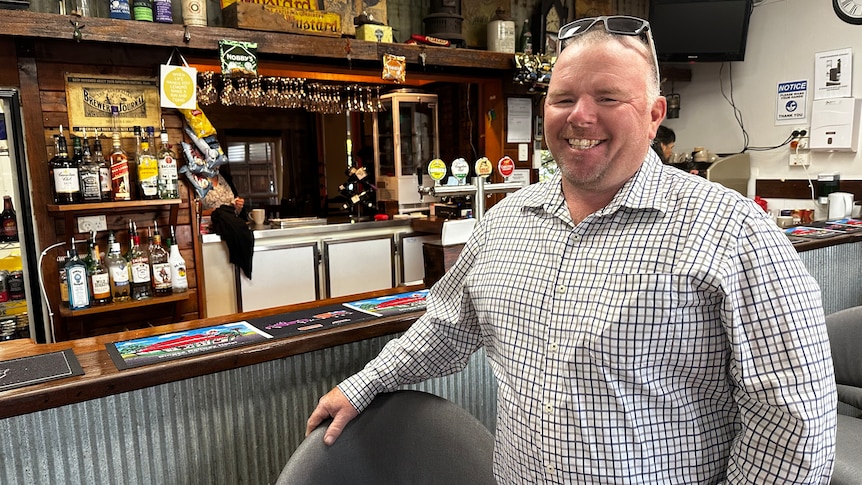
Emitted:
<point x="198" y="121"/>
<point x="394" y="68"/>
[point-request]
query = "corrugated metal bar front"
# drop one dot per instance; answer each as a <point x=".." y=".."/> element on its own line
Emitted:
<point x="233" y="427"/>
<point x="837" y="270"/>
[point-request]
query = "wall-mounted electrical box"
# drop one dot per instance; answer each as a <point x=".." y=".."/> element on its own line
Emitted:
<point x="835" y="124"/>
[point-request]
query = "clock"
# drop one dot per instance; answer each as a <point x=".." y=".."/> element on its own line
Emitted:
<point x="849" y="11"/>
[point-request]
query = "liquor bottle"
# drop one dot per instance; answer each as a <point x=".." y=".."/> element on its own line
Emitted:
<point x="10" y="221"/>
<point x="67" y="186"/>
<point x="118" y="269"/>
<point x="76" y="278"/>
<point x="178" y="266"/>
<point x="161" y="267"/>
<point x="168" y="178"/>
<point x="104" y="170"/>
<point x="143" y="10"/>
<point x="526" y="43"/>
<point x="64" y="282"/>
<point x="120" y="9"/>
<point x="100" y="278"/>
<point x="140" y="264"/>
<point x="195" y="12"/>
<point x="148" y="167"/>
<point x="91" y="188"/>
<point x="163" y="11"/>
<point x="120" y="182"/>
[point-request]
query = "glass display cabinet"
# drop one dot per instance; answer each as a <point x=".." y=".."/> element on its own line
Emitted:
<point x="405" y="140"/>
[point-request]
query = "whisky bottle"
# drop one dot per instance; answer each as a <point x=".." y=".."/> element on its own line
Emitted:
<point x="140" y="264"/>
<point x="120" y="181"/>
<point x="178" y="266"/>
<point x="88" y="171"/>
<point x="148" y="168"/>
<point x="67" y="186"/>
<point x="161" y="267"/>
<point x="100" y="279"/>
<point x="118" y="269"/>
<point x="104" y="170"/>
<point x="168" y="178"/>
<point x="76" y="279"/>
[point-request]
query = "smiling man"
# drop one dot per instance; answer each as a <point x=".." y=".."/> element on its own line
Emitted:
<point x="644" y="325"/>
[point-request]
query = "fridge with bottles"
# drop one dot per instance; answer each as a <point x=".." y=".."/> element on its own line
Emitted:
<point x="21" y="303"/>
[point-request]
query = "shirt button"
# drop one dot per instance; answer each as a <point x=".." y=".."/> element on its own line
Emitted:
<point x="576" y="237"/>
<point x="561" y="289"/>
<point x="553" y="347"/>
<point x="550" y="468"/>
<point x="549" y="408"/>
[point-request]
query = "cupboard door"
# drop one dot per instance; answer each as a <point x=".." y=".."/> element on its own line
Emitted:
<point x="281" y="275"/>
<point x="359" y="265"/>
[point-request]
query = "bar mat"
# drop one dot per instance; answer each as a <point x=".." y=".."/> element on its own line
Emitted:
<point x="296" y="323"/>
<point x="25" y="371"/>
<point x="176" y="345"/>
<point x="387" y="306"/>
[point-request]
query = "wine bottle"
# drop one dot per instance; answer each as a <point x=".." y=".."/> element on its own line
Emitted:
<point x="76" y="279"/>
<point x="10" y="221"/>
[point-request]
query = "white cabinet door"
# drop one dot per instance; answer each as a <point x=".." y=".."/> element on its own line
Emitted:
<point x="359" y="265"/>
<point x="412" y="258"/>
<point x="281" y="275"/>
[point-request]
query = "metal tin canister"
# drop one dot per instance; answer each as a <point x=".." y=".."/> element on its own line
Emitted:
<point x="15" y="283"/>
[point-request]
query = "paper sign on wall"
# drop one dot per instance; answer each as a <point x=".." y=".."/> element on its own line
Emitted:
<point x="790" y="102"/>
<point x="178" y="86"/>
<point x="833" y="74"/>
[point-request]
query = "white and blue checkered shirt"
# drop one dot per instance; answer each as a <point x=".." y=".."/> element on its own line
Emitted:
<point x="674" y="336"/>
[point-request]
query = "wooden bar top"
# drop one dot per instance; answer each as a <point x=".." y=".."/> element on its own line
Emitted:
<point x="102" y="378"/>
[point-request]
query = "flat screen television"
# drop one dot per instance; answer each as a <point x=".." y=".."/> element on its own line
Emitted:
<point x="700" y="30"/>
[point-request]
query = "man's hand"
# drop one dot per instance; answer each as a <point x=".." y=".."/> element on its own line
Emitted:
<point x="238" y="203"/>
<point x="334" y="404"/>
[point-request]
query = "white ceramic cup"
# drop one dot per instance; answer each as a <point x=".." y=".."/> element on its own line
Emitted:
<point x="258" y="216"/>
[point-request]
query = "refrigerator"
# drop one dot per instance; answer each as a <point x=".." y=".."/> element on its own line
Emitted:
<point x="20" y="260"/>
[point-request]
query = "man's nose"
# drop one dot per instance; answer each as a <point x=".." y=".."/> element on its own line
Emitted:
<point x="583" y="112"/>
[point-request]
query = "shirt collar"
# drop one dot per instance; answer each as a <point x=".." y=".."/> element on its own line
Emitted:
<point x="642" y="191"/>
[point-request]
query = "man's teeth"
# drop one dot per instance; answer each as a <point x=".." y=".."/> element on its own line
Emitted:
<point x="582" y="144"/>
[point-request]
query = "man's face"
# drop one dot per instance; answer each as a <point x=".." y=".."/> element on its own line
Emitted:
<point x="598" y="120"/>
<point x="667" y="150"/>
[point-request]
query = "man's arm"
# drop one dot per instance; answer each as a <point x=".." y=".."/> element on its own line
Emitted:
<point x="780" y="364"/>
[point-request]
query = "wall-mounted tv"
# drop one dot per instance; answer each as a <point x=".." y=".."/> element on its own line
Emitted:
<point x="700" y="30"/>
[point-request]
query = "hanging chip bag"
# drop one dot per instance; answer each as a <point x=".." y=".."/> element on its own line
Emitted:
<point x="394" y="68"/>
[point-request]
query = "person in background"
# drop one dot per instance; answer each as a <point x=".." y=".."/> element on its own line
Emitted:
<point x="643" y="325"/>
<point x="221" y="193"/>
<point x="663" y="143"/>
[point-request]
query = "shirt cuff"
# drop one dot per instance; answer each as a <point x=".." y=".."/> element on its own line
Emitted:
<point x="360" y="389"/>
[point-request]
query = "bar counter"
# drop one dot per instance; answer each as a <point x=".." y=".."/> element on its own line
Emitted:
<point x="102" y="378"/>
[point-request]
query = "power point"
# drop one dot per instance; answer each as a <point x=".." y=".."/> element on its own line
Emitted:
<point x="799" y="159"/>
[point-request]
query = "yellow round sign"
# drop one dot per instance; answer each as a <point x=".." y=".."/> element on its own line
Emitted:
<point x="437" y="169"/>
<point x="178" y="86"/>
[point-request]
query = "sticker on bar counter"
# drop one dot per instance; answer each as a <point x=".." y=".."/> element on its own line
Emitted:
<point x="303" y="321"/>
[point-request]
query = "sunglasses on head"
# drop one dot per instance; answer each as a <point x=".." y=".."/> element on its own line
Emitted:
<point x="614" y="24"/>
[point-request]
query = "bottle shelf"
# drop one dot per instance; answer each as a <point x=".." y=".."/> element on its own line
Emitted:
<point x="126" y="305"/>
<point x="103" y="206"/>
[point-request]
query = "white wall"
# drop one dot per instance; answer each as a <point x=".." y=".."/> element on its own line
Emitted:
<point x="783" y="37"/>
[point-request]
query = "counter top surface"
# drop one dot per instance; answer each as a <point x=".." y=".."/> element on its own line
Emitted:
<point x="102" y="378"/>
<point x="328" y="226"/>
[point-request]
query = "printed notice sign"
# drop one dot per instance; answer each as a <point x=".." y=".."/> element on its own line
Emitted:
<point x="790" y="102"/>
<point x="833" y="73"/>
